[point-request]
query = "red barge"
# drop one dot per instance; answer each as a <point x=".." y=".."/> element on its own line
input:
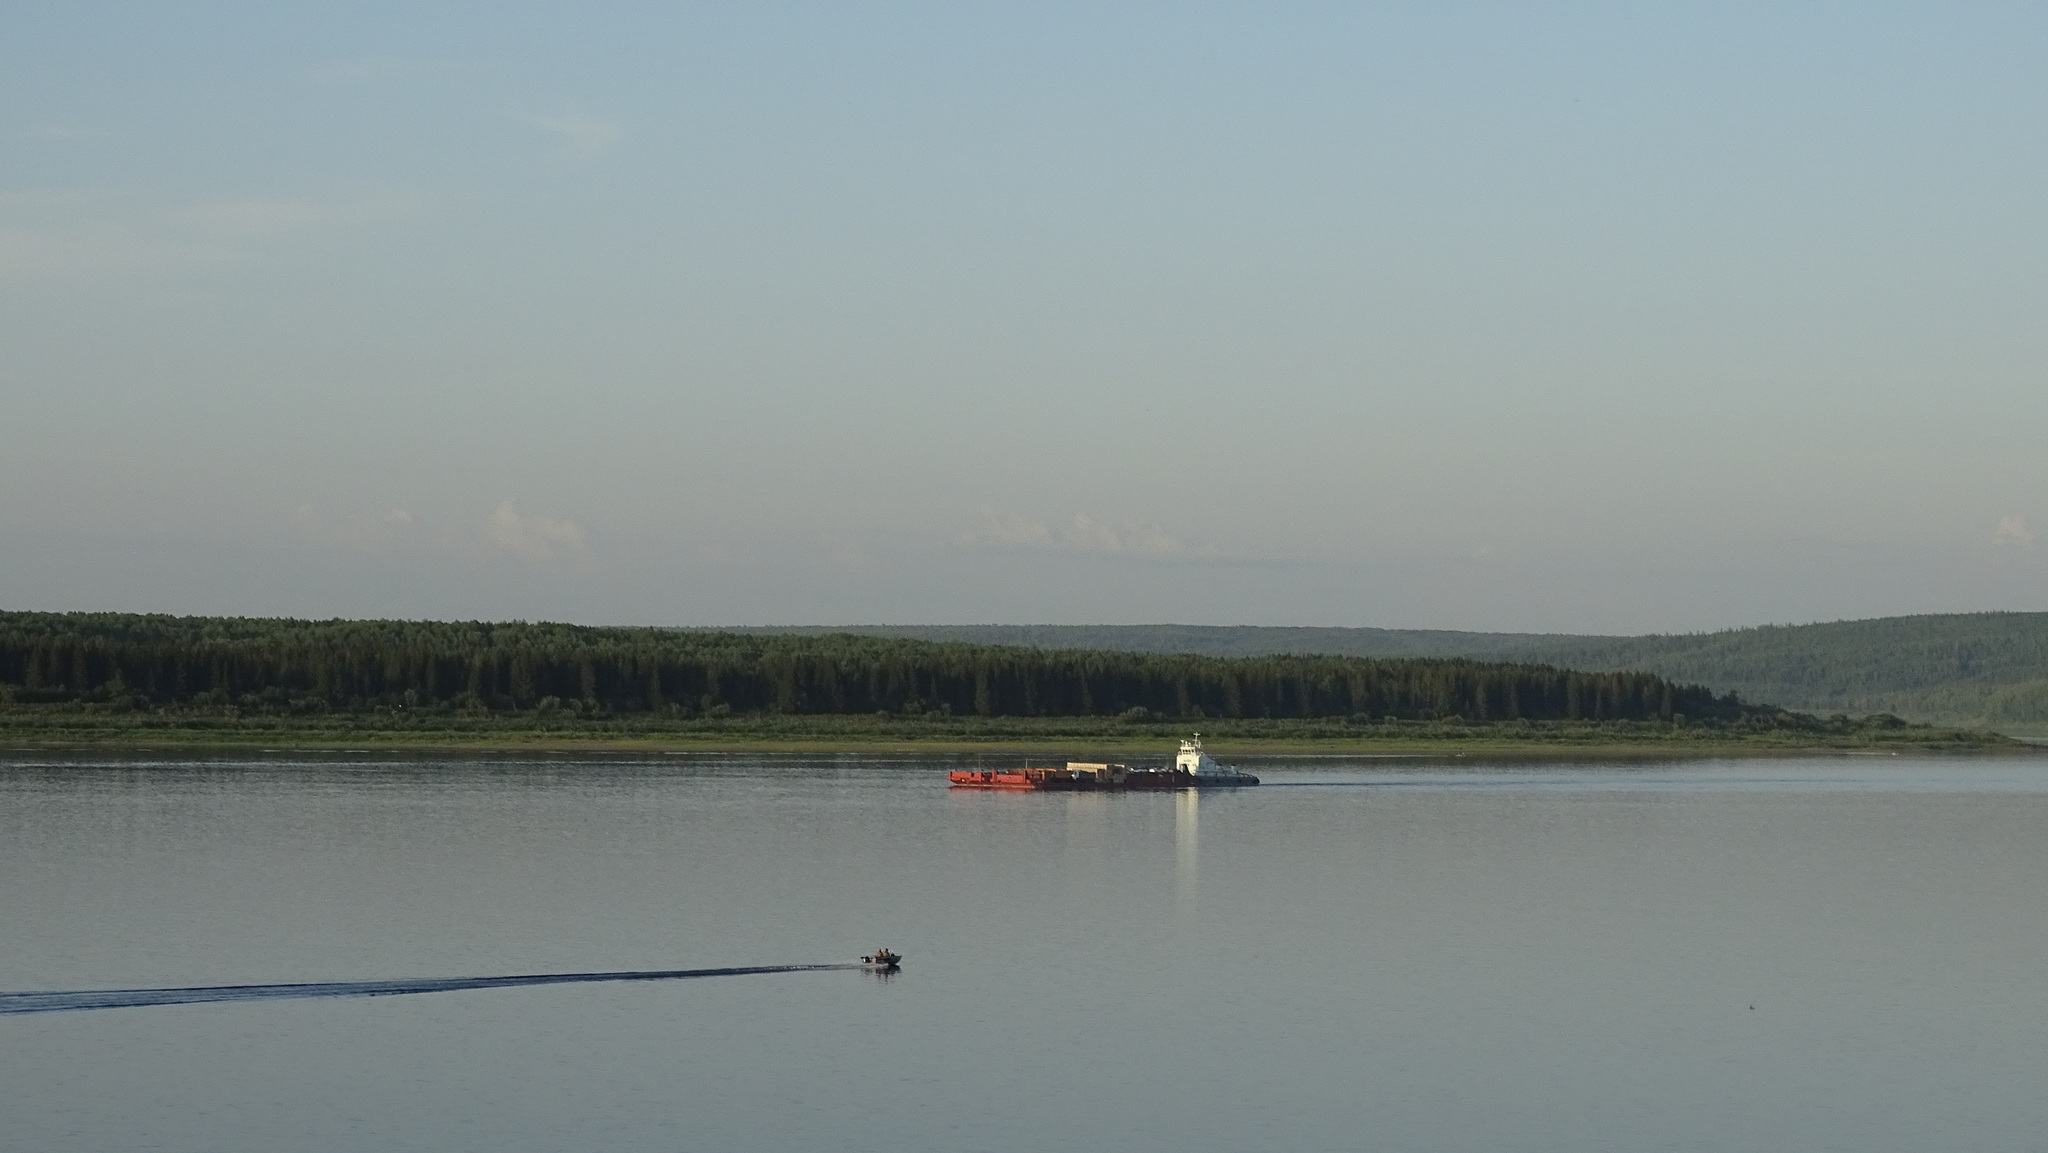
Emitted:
<point x="1192" y="769"/>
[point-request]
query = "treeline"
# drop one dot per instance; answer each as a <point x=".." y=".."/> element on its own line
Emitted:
<point x="137" y="662"/>
<point x="1979" y="667"/>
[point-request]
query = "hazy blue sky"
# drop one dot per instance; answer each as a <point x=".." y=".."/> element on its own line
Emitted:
<point x="1565" y="317"/>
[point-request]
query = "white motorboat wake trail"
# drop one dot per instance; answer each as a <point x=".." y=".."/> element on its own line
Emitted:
<point x="66" y="1002"/>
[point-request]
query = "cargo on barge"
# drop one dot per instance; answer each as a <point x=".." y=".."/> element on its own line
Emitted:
<point x="1192" y="769"/>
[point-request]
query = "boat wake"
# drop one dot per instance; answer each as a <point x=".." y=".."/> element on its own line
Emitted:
<point x="134" y="998"/>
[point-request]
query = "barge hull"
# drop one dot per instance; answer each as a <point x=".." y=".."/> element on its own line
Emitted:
<point x="1056" y="781"/>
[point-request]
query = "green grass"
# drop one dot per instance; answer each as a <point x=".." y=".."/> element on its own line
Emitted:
<point x="45" y="726"/>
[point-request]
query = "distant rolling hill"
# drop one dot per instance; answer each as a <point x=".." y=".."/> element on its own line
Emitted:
<point x="1981" y="668"/>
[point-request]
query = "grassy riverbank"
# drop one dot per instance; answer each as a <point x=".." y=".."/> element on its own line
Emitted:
<point x="86" y="726"/>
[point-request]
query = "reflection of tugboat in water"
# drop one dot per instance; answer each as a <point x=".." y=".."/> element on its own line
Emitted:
<point x="1192" y="769"/>
<point x="882" y="960"/>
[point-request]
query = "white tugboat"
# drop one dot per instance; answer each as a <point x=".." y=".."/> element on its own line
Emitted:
<point x="1203" y="771"/>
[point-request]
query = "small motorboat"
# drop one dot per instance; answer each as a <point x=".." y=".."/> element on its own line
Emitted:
<point x="882" y="959"/>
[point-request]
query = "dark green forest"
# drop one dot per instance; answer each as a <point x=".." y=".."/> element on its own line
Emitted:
<point x="1982" y="668"/>
<point x="139" y="662"/>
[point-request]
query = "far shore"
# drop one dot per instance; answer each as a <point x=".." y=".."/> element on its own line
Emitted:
<point x="1049" y="739"/>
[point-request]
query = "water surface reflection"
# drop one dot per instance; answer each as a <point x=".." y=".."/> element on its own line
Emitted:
<point x="1392" y="955"/>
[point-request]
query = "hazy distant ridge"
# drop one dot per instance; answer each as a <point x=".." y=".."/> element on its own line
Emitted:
<point x="1987" y="667"/>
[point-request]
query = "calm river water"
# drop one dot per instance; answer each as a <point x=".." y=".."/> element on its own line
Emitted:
<point x="1818" y="954"/>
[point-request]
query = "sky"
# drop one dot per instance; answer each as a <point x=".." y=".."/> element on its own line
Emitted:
<point x="1590" y="318"/>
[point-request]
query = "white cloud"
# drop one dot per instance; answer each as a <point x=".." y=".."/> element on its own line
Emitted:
<point x="61" y="252"/>
<point x="60" y="236"/>
<point x="365" y="534"/>
<point x="2013" y="532"/>
<point x="853" y="560"/>
<point x="251" y="219"/>
<point x="363" y="69"/>
<point x="1082" y="534"/>
<point x="534" y="539"/>
<point x="247" y="218"/>
<point x="1086" y="533"/>
<point x="587" y="136"/>
<point x="1010" y="529"/>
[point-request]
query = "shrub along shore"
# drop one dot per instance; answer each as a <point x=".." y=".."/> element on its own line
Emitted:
<point x="46" y="726"/>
